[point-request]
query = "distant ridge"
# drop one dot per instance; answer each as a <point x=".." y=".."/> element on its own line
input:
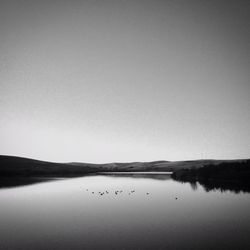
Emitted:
<point x="20" y="166"/>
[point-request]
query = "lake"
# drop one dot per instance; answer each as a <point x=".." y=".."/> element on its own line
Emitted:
<point x="122" y="212"/>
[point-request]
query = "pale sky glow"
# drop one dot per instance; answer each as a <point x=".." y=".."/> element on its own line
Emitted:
<point x="104" y="81"/>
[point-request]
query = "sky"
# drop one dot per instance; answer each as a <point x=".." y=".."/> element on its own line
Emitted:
<point x="125" y="80"/>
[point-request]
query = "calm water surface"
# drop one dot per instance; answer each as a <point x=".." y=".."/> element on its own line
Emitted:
<point x="159" y="213"/>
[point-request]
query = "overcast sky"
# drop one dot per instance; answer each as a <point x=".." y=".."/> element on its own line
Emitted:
<point x="125" y="80"/>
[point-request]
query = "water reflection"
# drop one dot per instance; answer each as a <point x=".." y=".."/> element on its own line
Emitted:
<point x="215" y="185"/>
<point x="153" y="176"/>
<point x="158" y="214"/>
<point x="12" y="182"/>
<point x="208" y="185"/>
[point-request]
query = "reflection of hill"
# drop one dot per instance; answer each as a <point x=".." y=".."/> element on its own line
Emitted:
<point x="232" y="176"/>
<point x="7" y="182"/>
<point x="11" y="182"/>
<point x="148" y="176"/>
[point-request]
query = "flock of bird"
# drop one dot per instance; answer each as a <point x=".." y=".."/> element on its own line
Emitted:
<point x="116" y="192"/>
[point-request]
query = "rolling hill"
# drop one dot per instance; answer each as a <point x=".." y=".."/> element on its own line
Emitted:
<point x="19" y="166"/>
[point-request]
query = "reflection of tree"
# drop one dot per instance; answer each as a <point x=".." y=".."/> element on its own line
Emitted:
<point x="194" y="185"/>
<point x="222" y="186"/>
<point x="233" y="176"/>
